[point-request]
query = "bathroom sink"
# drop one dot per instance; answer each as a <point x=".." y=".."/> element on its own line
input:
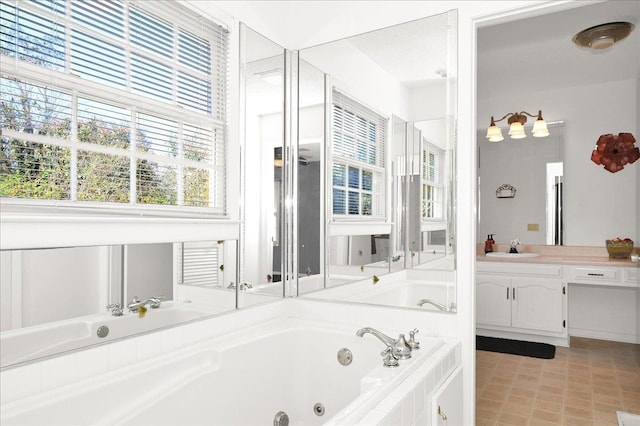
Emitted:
<point x="512" y="255"/>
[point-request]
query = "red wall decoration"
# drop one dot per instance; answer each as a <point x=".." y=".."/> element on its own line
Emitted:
<point x="615" y="151"/>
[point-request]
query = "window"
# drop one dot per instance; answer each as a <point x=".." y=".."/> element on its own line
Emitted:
<point x="431" y="182"/>
<point x="199" y="263"/>
<point x="357" y="160"/>
<point x="113" y="103"/>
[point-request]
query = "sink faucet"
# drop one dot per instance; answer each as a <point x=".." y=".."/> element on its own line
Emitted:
<point x="514" y="246"/>
<point x="401" y="350"/>
<point x="136" y="303"/>
<point x="442" y="307"/>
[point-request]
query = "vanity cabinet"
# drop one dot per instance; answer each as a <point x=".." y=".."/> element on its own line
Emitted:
<point x="529" y="299"/>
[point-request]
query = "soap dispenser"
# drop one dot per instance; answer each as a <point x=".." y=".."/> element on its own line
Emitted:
<point x="488" y="245"/>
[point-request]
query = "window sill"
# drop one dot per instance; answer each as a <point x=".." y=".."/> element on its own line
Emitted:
<point x="28" y="231"/>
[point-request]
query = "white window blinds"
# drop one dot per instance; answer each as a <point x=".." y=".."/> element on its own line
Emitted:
<point x="199" y="263"/>
<point x="118" y="102"/>
<point x="357" y="160"/>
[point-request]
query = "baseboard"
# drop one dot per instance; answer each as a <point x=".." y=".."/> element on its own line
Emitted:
<point x="556" y="341"/>
<point x="604" y="335"/>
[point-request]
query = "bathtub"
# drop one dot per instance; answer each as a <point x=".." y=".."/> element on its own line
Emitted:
<point x="396" y="289"/>
<point x="406" y="295"/>
<point x="34" y="342"/>
<point x="242" y="378"/>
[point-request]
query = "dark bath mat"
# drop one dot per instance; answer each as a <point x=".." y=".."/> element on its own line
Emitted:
<point x="515" y="347"/>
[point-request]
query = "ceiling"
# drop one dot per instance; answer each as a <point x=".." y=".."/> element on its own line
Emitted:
<point x="538" y="53"/>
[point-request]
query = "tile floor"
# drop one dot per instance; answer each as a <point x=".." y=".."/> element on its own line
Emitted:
<point x="583" y="385"/>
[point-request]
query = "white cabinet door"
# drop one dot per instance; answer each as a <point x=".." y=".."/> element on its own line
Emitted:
<point x="493" y="300"/>
<point x="537" y="304"/>
<point x="447" y="401"/>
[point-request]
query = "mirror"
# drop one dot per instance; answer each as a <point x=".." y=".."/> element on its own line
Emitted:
<point x="386" y="210"/>
<point x="56" y="300"/>
<point x="532" y="211"/>
<point x="262" y="73"/>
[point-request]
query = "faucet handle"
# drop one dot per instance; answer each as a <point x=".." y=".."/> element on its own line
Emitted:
<point x="413" y="343"/>
<point x="388" y="358"/>
<point x="155" y="302"/>
<point x="116" y="309"/>
<point x="401" y="349"/>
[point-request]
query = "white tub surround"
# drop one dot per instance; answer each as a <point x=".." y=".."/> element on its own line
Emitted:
<point x="279" y="356"/>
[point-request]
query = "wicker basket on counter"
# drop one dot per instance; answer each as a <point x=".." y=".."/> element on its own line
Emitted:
<point x="619" y="249"/>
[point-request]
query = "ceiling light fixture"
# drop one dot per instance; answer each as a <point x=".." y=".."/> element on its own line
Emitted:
<point x="516" y="122"/>
<point x="603" y="36"/>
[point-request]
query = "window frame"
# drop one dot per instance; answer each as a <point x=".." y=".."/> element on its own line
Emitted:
<point x="66" y="81"/>
<point x="377" y="168"/>
<point x="438" y="203"/>
<point x="24" y="225"/>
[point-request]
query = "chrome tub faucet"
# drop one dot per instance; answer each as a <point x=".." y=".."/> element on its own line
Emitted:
<point x="115" y="309"/>
<point x="440" y="306"/>
<point x="136" y="303"/>
<point x="243" y="286"/>
<point x="400" y="347"/>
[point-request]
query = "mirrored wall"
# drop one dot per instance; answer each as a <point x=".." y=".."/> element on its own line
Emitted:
<point x="55" y="300"/>
<point x="347" y="183"/>
<point x="262" y="135"/>
<point x="377" y="113"/>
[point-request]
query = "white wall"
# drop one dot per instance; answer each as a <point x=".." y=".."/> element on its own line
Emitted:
<point x="599" y="205"/>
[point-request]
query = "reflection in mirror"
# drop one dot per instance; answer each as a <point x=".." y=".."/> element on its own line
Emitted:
<point x="534" y="167"/>
<point x="387" y="187"/>
<point x="352" y="258"/>
<point x="426" y="178"/>
<point x="262" y="67"/>
<point x="56" y="300"/>
<point x="310" y="171"/>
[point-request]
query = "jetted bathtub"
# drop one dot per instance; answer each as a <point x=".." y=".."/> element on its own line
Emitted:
<point x="34" y="342"/>
<point x="245" y="378"/>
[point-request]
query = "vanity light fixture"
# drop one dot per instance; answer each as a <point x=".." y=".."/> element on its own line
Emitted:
<point x="603" y="36"/>
<point x="516" y="122"/>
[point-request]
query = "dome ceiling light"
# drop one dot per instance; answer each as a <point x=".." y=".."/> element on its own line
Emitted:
<point x="603" y="36"/>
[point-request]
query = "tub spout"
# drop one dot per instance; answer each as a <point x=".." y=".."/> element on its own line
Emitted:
<point x="450" y="308"/>
<point x="401" y="350"/>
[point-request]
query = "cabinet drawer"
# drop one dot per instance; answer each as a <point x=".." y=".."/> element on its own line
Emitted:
<point x="596" y="274"/>
<point x="631" y="275"/>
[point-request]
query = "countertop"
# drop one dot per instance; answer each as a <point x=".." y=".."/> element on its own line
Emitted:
<point x="563" y="255"/>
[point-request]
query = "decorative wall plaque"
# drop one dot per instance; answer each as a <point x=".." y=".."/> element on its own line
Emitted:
<point x="505" y="191"/>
